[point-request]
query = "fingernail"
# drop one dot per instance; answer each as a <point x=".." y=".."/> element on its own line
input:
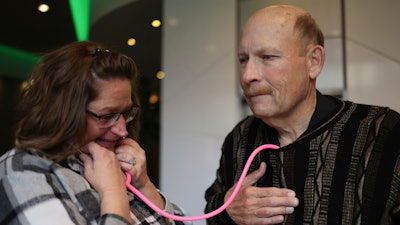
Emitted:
<point x="289" y="209"/>
<point x="295" y="202"/>
<point x="291" y="194"/>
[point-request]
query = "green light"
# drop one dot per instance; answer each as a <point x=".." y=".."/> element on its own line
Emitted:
<point x="16" y="62"/>
<point x="80" y="10"/>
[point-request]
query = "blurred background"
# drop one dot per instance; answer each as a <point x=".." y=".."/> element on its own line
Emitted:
<point x="29" y="28"/>
<point x="186" y="53"/>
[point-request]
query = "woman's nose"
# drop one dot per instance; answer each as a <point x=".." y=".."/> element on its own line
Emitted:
<point x="119" y="127"/>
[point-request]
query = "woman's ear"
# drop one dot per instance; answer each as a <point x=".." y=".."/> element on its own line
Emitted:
<point x="316" y="60"/>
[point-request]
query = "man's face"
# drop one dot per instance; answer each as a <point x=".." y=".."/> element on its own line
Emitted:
<point x="273" y="69"/>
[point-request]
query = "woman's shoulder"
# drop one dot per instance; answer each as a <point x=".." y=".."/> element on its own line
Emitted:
<point x="30" y="172"/>
<point x="19" y="160"/>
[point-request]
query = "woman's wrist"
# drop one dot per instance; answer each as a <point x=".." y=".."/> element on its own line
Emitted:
<point x="116" y="203"/>
<point x="151" y="193"/>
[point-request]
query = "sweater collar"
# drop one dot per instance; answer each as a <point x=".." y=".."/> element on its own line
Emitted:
<point x="324" y="108"/>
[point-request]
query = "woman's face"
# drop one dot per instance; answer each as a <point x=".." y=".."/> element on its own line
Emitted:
<point x="114" y="97"/>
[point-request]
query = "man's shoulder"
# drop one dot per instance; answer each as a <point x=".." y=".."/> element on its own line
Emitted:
<point x="385" y="117"/>
<point x="379" y="109"/>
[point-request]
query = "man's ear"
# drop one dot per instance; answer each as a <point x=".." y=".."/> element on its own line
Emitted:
<point x="316" y="59"/>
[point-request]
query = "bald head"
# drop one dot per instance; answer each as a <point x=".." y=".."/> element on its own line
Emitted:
<point x="281" y="12"/>
<point x="287" y="20"/>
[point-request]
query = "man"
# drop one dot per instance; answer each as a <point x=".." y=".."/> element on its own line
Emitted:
<point x="338" y="162"/>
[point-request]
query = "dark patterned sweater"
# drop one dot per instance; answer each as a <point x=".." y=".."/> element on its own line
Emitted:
<point x="344" y="169"/>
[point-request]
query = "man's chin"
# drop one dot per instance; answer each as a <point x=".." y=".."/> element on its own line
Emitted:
<point x="261" y="112"/>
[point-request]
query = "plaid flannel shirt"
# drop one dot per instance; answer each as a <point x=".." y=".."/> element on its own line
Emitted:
<point x="35" y="190"/>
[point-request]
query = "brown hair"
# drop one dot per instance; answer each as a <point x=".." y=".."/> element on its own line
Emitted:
<point x="308" y="29"/>
<point x="52" y="106"/>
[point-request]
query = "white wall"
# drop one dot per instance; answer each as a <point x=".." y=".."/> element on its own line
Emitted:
<point x="200" y="93"/>
<point x="373" y="52"/>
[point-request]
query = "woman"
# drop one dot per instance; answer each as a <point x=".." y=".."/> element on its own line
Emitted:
<point x="75" y="141"/>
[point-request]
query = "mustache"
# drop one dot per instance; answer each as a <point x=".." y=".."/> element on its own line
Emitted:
<point x="257" y="90"/>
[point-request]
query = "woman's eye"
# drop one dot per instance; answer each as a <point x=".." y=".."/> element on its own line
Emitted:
<point x="107" y="117"/>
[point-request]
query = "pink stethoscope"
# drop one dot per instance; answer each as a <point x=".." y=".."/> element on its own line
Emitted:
<point x="210" y="214"/>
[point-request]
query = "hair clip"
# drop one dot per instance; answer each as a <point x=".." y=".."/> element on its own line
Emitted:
<point x="99" y="50"/>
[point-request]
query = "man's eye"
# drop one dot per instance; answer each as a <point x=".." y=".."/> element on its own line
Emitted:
<point x="243" y="60"/>
<point x="268" y="57"/>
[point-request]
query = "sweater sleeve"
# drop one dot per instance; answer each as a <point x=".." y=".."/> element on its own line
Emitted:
<point x="109" y="219"/>
<point x="142" y="213"/>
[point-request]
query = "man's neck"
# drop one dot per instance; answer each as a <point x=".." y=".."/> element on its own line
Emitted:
<point x="290" y="129"/>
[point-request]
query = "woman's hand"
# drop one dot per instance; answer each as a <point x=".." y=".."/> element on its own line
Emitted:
<point x="129" y="150"/>
<point x="103" y="171"/>
<point x="133" y="160"/>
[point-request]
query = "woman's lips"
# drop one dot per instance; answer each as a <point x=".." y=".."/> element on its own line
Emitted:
<point x="109" y="144"/>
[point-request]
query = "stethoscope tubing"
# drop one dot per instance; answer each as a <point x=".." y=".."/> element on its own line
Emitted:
<point x="210" y="214"/>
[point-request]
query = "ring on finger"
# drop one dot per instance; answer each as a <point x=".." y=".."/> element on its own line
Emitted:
<point x="132" y="162"/>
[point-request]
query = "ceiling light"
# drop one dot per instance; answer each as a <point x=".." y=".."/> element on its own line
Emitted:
<point x="156" y="23"/>
<point x="160" y="75"/>
<point x="131" y="41"/>
<point x="43" y="8"/>
<point x="153" y="99"/>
